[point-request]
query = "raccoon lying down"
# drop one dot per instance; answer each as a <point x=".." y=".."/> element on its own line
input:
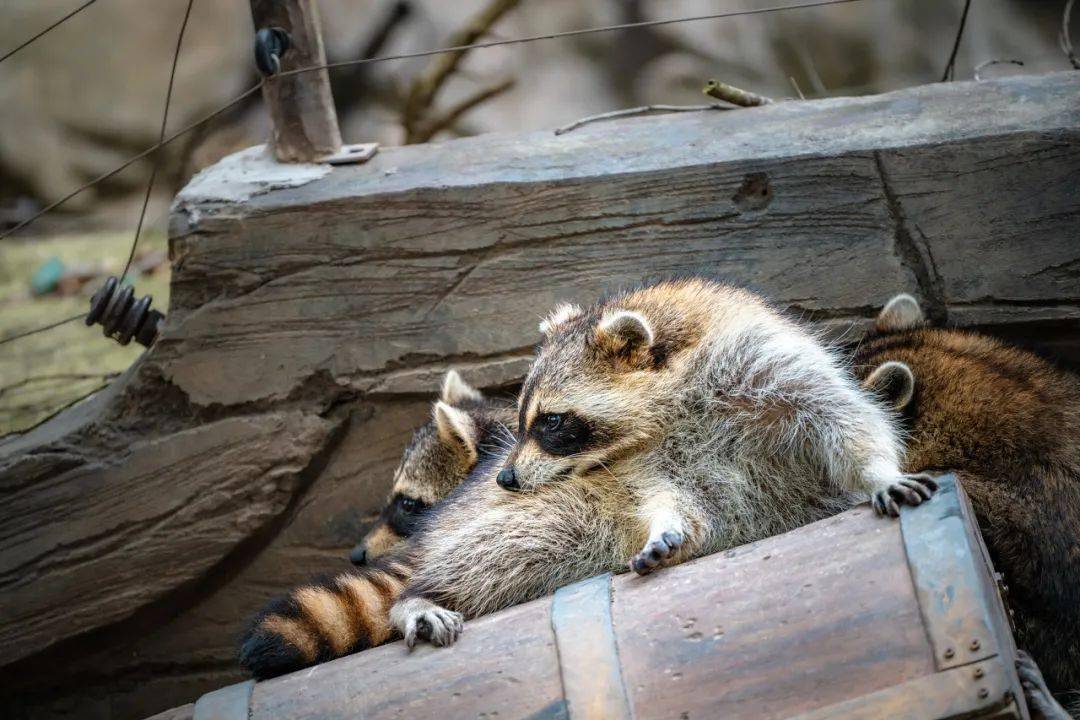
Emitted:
<point x="466" y="429"/>
<point x="1008" y="423"/>
<point x="662" y="424"/>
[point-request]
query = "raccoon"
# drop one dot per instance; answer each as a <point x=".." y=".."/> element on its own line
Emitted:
<point x="1008" y="422"/>
<point x="692" y="418"/>
<point x="339" y="615"/>
<point x="726" y="420"/>
<point x="466" y="428"/>
<point x="663" y="424"/>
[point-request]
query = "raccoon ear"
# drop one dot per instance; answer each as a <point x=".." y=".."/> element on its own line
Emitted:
<point x="893" y="382"/>
<point x="625" y="334"/>
<point x="901" y="313"/>
<point x="564" y="312"/>
<point x="456" y="391"/>
<point x="456" y="428"/>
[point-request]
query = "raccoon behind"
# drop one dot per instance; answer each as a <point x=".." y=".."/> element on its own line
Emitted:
<point x="466" y="428"/>
<point x="1008" y="422"/>
<point x="338" y="615"/>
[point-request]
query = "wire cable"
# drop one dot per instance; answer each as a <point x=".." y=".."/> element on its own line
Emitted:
<point x="49" y="29"/>
<point x="950" y="67"/>
<point x="161" y="138"/>
<point x="404" y="56"/>
<point x="149" y="185"/>
<point x="134" y="159"/>
<point x="35" y="331"/>
<point x="565" y="34"/>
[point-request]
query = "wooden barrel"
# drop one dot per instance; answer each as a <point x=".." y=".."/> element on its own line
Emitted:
<point x="855" y="616"/>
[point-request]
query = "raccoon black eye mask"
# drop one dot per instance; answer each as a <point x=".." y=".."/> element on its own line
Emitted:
<point x="562" y="434"/>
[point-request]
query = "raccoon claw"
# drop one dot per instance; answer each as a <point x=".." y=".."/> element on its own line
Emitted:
<point x="438" y="626"/>
<point x="656" y="552"/>
<point x="912" y="489"/>
<point x="1039" y="700"/>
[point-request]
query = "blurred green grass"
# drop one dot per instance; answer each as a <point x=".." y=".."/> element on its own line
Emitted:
<point x="45" y="372"/>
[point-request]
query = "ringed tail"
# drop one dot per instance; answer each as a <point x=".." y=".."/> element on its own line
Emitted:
<point x="326" y="619"/>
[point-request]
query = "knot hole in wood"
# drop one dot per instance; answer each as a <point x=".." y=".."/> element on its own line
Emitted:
<point x="754" y="194"/>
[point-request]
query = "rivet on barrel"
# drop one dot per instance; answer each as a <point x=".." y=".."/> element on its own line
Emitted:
<point x="979" y="673"/>
<point x="984" y="693"/>
<point x="949" y="653"/>
<point x="975" y="645"/>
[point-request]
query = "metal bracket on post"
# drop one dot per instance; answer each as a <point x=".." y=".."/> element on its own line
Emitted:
<point x="288" y="37"/>
<point x="350" y="154"/>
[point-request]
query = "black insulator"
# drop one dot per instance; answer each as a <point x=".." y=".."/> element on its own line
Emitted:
<point x="270" y="45"/>
<point x="121" y="316"/>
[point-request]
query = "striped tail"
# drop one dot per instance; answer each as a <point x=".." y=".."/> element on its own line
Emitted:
<point x="326" y="619"/>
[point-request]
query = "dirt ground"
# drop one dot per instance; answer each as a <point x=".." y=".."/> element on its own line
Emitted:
<point x="43" y="373"/>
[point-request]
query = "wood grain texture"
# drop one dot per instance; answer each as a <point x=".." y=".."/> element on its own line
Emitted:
<point x="88" y="546"/>
<point x="346" y="297"/>
<point x="792" y="623"/>
<point x="821" y="622"/>
<point x="175" y="657"/>
<point x="955" y="693"/>
<point x="301" y="106"/>
<point x="504" y="667"/>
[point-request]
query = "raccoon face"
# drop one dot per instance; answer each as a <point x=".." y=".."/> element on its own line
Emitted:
<point x="439" y="456"/>
<point x="586" y="400"/>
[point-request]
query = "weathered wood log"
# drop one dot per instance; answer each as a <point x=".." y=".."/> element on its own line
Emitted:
<point x="852" y="617"/>
<point x="337" y="297"/>
<point x="72" y="527"/>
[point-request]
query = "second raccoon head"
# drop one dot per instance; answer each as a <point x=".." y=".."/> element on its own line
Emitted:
<point x="439" y="456"/>
<point x="588" y="399"/>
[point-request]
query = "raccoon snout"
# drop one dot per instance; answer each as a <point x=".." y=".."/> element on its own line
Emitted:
<point x="507" y="479"/>
<point x="358" y="555"/>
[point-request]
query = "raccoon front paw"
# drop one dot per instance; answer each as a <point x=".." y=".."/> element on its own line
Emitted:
<point x="438" y="626"/>
<point x="911" y="489"/>
<point x="1040" y="702"/>
<point x="656" y="551"/>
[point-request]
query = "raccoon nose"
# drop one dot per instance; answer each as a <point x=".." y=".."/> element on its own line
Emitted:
<point x="358" y="555"/>
<point x="507" y="479"/>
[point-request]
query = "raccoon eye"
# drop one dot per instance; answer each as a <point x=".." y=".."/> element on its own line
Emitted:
<point x="552" y="422"/>
<point x="408" y="504"/>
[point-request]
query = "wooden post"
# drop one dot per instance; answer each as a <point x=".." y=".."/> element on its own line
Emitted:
<point x="301" y="106"/>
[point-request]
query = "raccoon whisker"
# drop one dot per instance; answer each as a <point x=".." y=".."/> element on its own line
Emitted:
<point x="601" y="464"/>
<point x="843" y="336"/>
<point x="858" y="345"/>
<point x="506" y="434"/>
<point x="494" y="446"/>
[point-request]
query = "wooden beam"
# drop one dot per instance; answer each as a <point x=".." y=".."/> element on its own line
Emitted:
<point x="301" y="106"/>
<point x="338" y="296"/>
<point x="821" y="622"/>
